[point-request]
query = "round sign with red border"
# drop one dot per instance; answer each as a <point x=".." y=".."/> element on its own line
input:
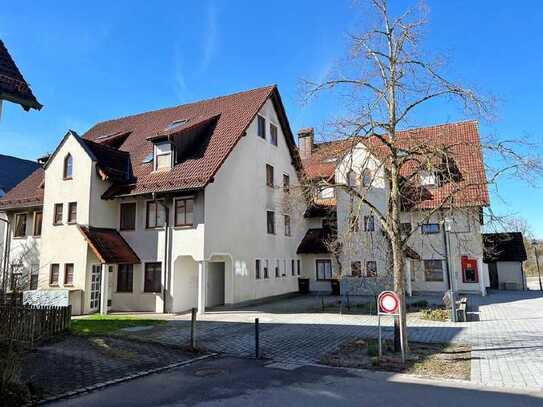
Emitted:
<point x="389" y="302"/>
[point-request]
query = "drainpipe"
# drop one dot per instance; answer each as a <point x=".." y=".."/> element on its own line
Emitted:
<point x="167" y="256"/>
<point x="5" y="258"/>
<point x="447" y="265"/>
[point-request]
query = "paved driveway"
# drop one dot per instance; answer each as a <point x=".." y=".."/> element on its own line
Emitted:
<point x="507" y="338"/>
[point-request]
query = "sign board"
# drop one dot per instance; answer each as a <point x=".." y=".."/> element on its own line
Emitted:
<point x="389" y="302"/>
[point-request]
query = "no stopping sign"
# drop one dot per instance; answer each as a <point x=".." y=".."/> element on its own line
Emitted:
<point x="389" y="302"/>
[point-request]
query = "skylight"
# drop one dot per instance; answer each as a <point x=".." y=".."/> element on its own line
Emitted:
<point x="177" y="123"/>
<point x="148" y="158"/>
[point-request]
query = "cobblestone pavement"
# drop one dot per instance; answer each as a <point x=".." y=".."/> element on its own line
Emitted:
<point x="506" y="333"/>
<point x="78" y="362"/>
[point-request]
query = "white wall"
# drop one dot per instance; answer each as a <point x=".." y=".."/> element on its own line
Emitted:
<point x="510" y="272"/>
<point x="235" y="210"/>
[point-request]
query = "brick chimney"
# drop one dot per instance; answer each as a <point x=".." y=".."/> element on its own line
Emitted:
<point x="305" y="142"/>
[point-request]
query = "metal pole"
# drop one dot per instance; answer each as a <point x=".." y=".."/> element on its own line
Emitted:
<point x="257" y="340"/>
<point x="5" y="259"/>
<point x="193" y="329"/>
<point x="538" y="269"/>
<point x="449" y="273"/>
<point x="379" y="328"/>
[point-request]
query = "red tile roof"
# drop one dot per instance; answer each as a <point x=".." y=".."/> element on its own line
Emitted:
<point x="28" y="193"/>
<point x="461" y="139"/>
<point x="13" y="86"/>
<point x="109" y="246"/>
<point x="231" y="115"/>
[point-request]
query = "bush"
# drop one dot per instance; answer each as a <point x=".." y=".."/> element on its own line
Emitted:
<point x="435" y="314"/>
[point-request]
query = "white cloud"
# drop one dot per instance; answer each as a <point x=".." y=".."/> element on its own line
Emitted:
<point x="210" y="35"/>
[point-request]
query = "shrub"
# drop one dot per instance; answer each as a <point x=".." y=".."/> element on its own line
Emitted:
<point x="435" y="314"/>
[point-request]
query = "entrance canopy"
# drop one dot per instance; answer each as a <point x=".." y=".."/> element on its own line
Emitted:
<point x="109" y="246"/>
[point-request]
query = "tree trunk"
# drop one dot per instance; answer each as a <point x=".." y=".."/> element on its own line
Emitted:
<point x="397" y="256"/>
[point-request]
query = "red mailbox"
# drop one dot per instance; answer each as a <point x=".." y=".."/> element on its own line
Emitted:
<point x="470" y="273"/>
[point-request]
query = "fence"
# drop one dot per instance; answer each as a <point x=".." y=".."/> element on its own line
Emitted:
<point x="11" y="298"/>
<point x="29" y="324"/>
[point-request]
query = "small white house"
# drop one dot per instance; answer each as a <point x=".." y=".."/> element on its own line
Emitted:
<point x="505" y="254"/>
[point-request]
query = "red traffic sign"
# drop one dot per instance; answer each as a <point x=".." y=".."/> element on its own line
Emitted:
<point x="389" y="302"/>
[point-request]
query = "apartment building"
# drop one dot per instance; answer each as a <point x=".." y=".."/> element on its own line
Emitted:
<point x="199" y="205"/>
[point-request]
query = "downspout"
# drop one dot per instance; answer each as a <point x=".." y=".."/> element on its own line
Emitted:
<point x="5" y="258"/>
<point x="166" y="252"/>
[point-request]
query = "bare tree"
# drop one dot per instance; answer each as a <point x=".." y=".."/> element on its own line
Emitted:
<point x="384" y="79"/>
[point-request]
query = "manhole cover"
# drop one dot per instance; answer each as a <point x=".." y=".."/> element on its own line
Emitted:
<point x="206" y="372"/>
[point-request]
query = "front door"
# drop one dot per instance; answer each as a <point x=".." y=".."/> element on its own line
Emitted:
<point x="493" y="274"/>
<point x="96" y="279"/>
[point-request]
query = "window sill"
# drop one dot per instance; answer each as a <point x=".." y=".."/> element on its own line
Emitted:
<point x="72" y="223"/>
<point x="183" y="227"/>
<point x="54" y="285"/>
<point x="58" y="224"/>
<point x="36" y="236"/>
<point x="19" y="237"/>
<point x="67" y="178"/>
<point x="126" y="292"/>
<point x="68" y="286"/>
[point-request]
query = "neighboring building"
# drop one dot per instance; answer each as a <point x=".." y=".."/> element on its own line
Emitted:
<point x="12" y="171"/>
<point x="200" y="205"/>
<point x="505" y="254"/>
<point x="13" y="86"/>
<point x="449" y="238"/>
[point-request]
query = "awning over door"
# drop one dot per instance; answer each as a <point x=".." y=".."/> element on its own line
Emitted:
<point x="109" y="246"/>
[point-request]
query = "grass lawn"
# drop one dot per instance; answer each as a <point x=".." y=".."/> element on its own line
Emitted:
<point x="106" y="324"/>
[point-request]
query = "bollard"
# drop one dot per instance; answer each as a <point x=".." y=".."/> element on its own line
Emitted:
<point x="193" y="330"/>
<point x="257" y="340"/>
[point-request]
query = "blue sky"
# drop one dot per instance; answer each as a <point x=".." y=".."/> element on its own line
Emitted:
<point x="98" y="60"/>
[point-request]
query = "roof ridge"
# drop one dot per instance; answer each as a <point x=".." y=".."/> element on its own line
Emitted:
<point x="181" y="105"/>
<point x="442" y="125"/>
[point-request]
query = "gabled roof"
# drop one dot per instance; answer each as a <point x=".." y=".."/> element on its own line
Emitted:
<point x="109" y="246"/>
<point x="231" y="115"/>
<point x="462" y="139"/>
<point x="13" y="86"/>
<point x="504" y="247"/>
<point x="13" y="170"/>
<point x="28" y="193"/>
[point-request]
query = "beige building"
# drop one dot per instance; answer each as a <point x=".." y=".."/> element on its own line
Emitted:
<point x="199" y="205"/>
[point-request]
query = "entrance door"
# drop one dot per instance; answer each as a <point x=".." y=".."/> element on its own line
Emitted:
<point x="493" y="274"/>
<point x="96" y="280"/>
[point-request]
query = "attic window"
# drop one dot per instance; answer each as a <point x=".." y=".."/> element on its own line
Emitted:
<point x="163" y="156"/>
<point x="428" y="178"/>
<point x="177" y="123"/>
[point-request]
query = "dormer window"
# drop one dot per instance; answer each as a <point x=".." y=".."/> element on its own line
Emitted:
<point x="68" y="167"/>
<point x="428" y="179"/>
<point x="163" y="153"/>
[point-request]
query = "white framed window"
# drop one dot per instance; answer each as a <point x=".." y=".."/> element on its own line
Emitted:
<point x="433" y="270"/>
<point x="323" y="269"/>
<point x="163" y="156"/>
<point x="429" y="228"/>
<point x="428" y="178"/>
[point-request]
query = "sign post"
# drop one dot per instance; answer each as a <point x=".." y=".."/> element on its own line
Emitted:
<point x="388" y="304"/>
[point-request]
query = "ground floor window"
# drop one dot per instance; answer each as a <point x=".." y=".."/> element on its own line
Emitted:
<point x="34" y="273"/>
<point x="125" y="278"/>
<point x="371" y="268"/>
<point x="298" y="267"/>
<point x="433" y="270"/>
<point x="356" y="269"/>
<point x="257" y="269"/>
<point x="266" y="269"/>
<point x="324" y="269"/>
<point x="153" y="277"/>
<point x="53" y="277"/>
<point x="277" y="274"/>
<point x="17" y="282"/>
<point x="292" y="270"/>
<point x="69" y="274"/>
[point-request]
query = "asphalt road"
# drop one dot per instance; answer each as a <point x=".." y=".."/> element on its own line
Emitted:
<point x="236" y="382"/>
